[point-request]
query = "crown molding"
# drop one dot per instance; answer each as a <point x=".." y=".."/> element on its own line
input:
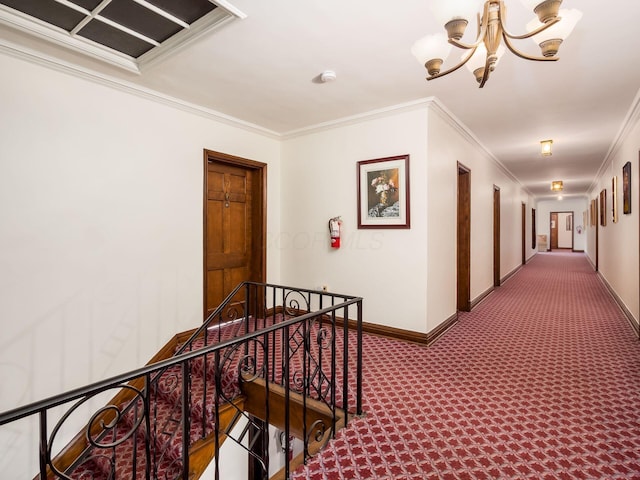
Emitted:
<point x="628" y="124"/>
<point x="445" y="114"/>
<point x="47" y="61"/>
<point x="358" y="118"/>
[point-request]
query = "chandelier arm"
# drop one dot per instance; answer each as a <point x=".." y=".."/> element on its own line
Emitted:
<point x="485" y="74"/>
<point x="453" y="69"/>
<point x="541" y="28"/>
<point x="525" y="56"/>
<point x="468" y="46"/>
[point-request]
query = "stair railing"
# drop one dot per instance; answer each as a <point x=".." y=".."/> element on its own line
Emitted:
<point x="295" y="340"/>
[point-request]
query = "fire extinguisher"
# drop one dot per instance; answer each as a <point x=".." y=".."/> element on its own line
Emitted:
<point x="334" y="231"/>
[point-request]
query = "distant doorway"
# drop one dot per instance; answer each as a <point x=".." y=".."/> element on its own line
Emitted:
<point x="561" y="230"/>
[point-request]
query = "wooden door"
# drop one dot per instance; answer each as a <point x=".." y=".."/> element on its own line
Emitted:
<point x="553" y="228"/>
<point x="524" y="233"/>
<point x="496" y="236"/>
<point x="234" y="228"/>
<point x="464" y="239"/>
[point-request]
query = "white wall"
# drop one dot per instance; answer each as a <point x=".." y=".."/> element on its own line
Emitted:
<point x="407" y="277"/>
<point x="619" y="261"/>
<point x="576" y="205"/>
<point x="386" y="267"/>
<point x="449" y="144"/>
<point x="100" y="230"/>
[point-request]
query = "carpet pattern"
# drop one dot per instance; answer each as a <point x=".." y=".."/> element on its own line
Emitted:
<point x="540" y="381"/>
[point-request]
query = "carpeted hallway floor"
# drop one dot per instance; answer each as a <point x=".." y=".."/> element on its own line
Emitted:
<point x="540" y="381"/>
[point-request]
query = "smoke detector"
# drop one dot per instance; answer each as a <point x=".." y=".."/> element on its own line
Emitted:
<point x="327" y="76"/>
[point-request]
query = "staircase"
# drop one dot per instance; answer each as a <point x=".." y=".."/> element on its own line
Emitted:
<point x="269" y="355"/>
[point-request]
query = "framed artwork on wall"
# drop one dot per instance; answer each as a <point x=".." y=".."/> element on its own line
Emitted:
<point x="626" y="188"/>
<point x="603" y="207"/>
<point x="614" y="199"/>
<point x="383" y="193"/>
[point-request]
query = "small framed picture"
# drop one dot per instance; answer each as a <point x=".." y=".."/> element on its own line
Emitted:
<point x="626" y="188"/>
<point x="383" y="193"/>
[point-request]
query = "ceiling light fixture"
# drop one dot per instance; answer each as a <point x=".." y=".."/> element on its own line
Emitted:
<point x="545" y="147"/>
<point x="548" y="31"/>
<point x="556" y="186"/>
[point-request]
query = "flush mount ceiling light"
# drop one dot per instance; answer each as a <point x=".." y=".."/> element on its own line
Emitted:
<point x="545" y="147"/>
<point x="548" y="30"/>
<point x="556" y="186"/>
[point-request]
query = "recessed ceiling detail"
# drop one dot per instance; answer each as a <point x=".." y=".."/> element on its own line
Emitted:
<point x="128" y="33"/>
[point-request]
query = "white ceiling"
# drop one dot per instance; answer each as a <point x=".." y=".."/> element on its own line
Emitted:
<point x="263" y="70"/>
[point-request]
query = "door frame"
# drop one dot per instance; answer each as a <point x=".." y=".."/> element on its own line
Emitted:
<point x="524" y="233"/>
<point x="258" y="217"/>
<point x="496" y="236"/>
<point x="463" y="239"/>
<point x="558" y="226"/>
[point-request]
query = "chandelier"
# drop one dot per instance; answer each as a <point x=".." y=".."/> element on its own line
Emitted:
<point x="548" y="30"/>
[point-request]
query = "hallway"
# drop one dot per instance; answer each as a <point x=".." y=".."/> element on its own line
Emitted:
<point x="540" y="381"/>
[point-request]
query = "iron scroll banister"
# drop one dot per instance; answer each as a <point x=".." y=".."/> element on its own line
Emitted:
<point x="259" y="340"/>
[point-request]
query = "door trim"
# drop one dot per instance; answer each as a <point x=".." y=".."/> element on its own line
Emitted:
<point x="259" y="219"/>
<point x="496" y="236"/>
<point x="463" y="239"/>
<point x="524" y="233"/>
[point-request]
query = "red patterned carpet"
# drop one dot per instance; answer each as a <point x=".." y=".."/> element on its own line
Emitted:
<point x="540" y="381"/>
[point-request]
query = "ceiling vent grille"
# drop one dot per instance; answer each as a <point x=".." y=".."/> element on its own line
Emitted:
<point x="131" y="34"/>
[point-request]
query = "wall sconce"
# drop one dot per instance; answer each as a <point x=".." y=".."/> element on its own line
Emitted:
<point x="556" y="186"/>
<point x="545" y="147"/>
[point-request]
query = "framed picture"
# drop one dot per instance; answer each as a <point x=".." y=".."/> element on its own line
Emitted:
<point x="626" y="188"/>
<point x="614" y="199"/>
<point x="383" y="193"/>
<point x="603" y="207"/>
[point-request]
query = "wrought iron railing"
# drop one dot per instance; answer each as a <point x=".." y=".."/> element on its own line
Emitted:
<point x="263" y="338"/>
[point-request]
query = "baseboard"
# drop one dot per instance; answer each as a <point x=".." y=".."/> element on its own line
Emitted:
<point x="394" y="332"/>
<point x="627" y="313"/>
<point x="510" y="274"/>
<point x="481" y="297"/>
<point x="577" y="251"/>
<point x="441" y="329"/>
<point x="389" y="332"/>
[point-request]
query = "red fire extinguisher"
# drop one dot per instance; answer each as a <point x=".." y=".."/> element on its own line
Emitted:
<point x="334" y="231"/>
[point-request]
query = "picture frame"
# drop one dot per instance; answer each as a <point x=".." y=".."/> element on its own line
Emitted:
<point x="626" y="188"/>
<point x="614" y="199"/>
<point x="383" y="193"/>
<point x="603" y="207"/>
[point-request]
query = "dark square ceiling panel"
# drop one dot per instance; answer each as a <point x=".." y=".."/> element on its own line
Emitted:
<point x="47" y="11"/>
<point x="111" y="37"/>
<point x="88" y="4"/>
<point x="140" y="19"/>
<point x="186" y="10"/>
